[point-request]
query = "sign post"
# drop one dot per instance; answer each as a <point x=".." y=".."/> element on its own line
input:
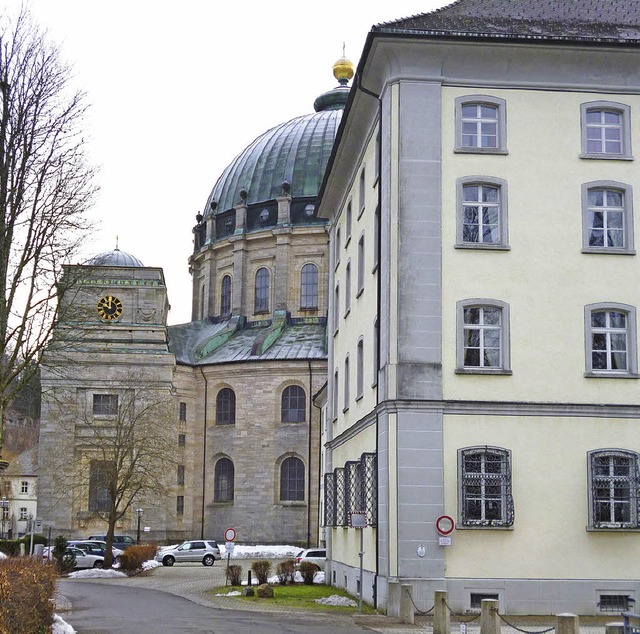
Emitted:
<point x="229" y="536"/>
<point x="359" y="520"/>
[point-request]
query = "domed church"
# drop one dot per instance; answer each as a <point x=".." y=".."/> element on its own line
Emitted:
<point x="243" y="434"/>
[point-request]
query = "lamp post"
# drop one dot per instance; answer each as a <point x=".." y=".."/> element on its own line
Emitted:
<point x="139" y="513"/>
<point x="4" y="504"/>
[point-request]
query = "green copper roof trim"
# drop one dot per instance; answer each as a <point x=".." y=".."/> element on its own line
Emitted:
<point x="211" y="345"/>
<point x="268" y="339"/>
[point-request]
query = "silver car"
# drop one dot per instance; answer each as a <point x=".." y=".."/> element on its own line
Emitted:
<point x="204" y="550"/>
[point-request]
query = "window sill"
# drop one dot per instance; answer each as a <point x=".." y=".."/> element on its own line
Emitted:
<point x="611" y="375"/>
<point x="608" y="251"/>
<point x="480" y="150"/>
<point x="374" y="269"/>
<point x="480" y="527"/>
<point x="360" y="292"/>
<point x="261" y="312"/>
<point x="361" y="212"/>
<point x="222" y="503"/>
<point x="359" y="397"/>
<point x="497" y="371"/>
<point x="482" y="246"/>
<point x="622" y="529"/>
<point x="347" y="241"/>
<point x="345" y="409"/>
<point x="335" y="268"/>
<point x="607" y="157"/>
<point x="292" y="503"/>
<point x="346" y="313"/>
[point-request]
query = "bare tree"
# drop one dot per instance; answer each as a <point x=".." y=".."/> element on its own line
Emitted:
<point x="46" y="189"/>
<point x="120" y="452"/>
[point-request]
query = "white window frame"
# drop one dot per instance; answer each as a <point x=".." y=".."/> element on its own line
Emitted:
<point x="502" y="207"/>
<point x="626" y="191"/>
<point x="347" y="288"/>
<point x="501" y="123"/>
<point x="625" y="130"/>
<point x="361" y="191"/>
<point x="631" y="370"/>
<point x="611" y="478"/>
<point x="348" y="221"/>
<point x="336" y="308"/>
<point x="24" y="487"/>
<point x="361" y="256"/>
<point x="360" y="369"/>
<point x="504" y="366"/>
<point x="347" y="386"/>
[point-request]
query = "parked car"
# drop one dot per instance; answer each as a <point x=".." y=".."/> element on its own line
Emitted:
<point x="206" y="551"/>
<point x="95" y="547"/>
<point x="316" y="556"/>
<point x="119" y="541"/>
<point x="83" y="559"/>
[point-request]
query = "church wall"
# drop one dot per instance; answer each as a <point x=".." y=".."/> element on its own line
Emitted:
<point x="256" y="445"/>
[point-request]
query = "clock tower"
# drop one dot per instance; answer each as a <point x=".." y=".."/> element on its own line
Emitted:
<point x="110" y="346"/>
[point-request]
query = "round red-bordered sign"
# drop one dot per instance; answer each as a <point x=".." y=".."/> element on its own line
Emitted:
<point x="230" y="534"/>
<point x="445" y="525"/>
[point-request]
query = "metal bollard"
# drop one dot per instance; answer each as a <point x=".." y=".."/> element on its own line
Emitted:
<point x="249" y="578"/>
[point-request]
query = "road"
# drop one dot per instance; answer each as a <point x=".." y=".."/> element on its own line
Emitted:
<point x="175" y="600"/>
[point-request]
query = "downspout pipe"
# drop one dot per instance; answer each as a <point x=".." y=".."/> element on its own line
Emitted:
<point x="204" y="453"/>
<point x="359" y="86"/>
<point x="309" y="455"/>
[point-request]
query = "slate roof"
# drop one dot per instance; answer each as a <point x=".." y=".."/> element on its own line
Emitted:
<point x="24" y="464"/>
<point x="297" y="340"/>
<point x="611" y="21"/>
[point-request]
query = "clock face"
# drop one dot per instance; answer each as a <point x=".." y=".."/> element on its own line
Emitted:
<point x="109" y="308"/>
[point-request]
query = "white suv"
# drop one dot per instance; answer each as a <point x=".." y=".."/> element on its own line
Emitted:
<point x="206" y="551"/>
<point x="316" y="556"/>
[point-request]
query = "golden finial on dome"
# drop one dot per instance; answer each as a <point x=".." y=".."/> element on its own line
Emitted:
<point x="343" y="69"/>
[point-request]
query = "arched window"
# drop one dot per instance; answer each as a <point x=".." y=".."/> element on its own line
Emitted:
<point x="261" y="304"/>
<point x="223" y="481"/>
<point x="225" y="296"/>
<point x="226" y="407"/>
<point x="292" y="480"/>
<point x="294" y="404"/>
<point x="309" y="286"/>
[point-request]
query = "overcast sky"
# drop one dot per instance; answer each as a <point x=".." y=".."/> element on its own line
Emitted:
<point x="178" y="89"/>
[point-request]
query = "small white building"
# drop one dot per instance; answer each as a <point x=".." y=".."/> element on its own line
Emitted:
<point x="19" y="488"/>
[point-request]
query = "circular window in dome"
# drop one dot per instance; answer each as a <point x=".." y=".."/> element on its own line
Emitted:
<point x="228" y="223"/>
<point x="264" y="216"/>
<point x="309" y="210"/>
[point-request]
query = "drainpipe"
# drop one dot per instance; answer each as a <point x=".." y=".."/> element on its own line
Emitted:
<point x="309" y="457"/>
<point x="204" y="453"/>
<point x="359" y="86"/>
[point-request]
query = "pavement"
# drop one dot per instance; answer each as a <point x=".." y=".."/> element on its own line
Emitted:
<point x="195" y="582"/>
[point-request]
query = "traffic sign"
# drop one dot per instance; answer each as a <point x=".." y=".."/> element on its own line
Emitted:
<point x="445" y="525"/>
<point x="230" y="534"/>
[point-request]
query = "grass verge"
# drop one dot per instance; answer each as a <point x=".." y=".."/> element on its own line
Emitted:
<point x="300" y="596"/>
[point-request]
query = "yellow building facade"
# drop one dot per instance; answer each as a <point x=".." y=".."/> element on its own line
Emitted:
<point x="482" y="321"/>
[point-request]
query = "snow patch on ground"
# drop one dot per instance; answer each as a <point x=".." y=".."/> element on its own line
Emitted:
<point x="96" y="573"/>
<point x="61" y="627"/>
<point x="261" y="552"/>
<point x="233" y="593"/>
<point x="334" y="599"/>
<point x="149" y="565"/>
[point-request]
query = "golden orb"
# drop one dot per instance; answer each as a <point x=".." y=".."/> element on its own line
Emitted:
<point x="343" y="69"/>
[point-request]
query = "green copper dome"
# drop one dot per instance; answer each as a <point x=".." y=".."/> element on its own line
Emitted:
<point x="296" y="152"/>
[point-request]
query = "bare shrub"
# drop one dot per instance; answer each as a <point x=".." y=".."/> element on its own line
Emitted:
<point x="133" y="558"/>
<point x="234" y="575"/>
<point x="308" y="572"/>
<point x="26" y="582"/>
<point x="261" y="568"/>
<point x="286" y="571"/>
